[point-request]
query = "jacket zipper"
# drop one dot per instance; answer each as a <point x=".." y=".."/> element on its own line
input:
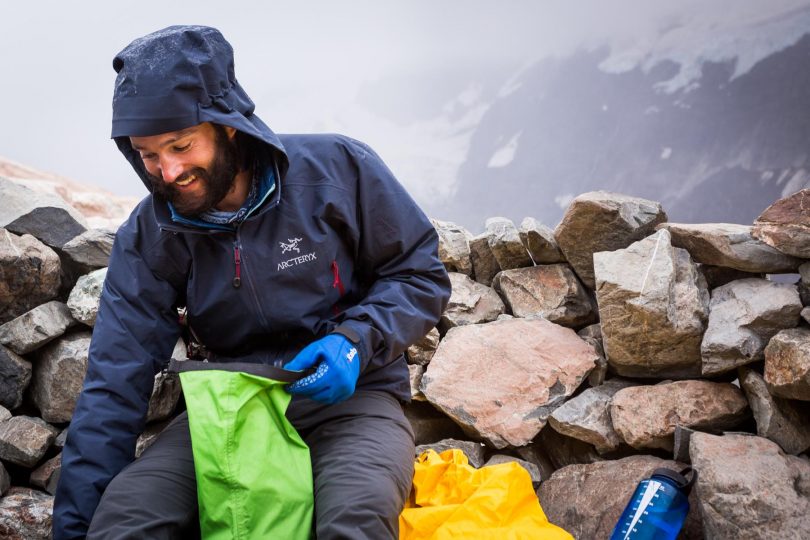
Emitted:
<point x="239" y="255"/>
<point x="237" y="263"/>
<point x="337" y="284"/>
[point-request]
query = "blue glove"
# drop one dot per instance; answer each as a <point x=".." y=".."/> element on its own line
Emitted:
<point x="338" y="369"/>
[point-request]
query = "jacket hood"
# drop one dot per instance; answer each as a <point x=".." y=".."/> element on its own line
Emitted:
<point x="176" y="78"/>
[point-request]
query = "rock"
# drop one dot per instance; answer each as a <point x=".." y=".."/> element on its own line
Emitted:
<point x="785" y="225"/>
<point x="37" y="327"/>
<point x="782" y="421"/>
<point x="474" y="451"/>
<point x="537" y="456"/>
<point x="59" y="375"/>
<point x="5" y="480"/>
<point x="415" y="373"/>
<point x="149" y="436"/>
<point x="29" y="274"/>
<point x="470" y="303"/>
<point x="805" y="313"/>
<point x="429" y="425"/>
<point x="717" y="275"/>
<point x="787" y="364"/>
<point x="587" y="416"/>
<point x="25" y="439"/>
<point x="602" y="221"/>
<point x="164" y="398"/>
<point x="59" y="442"/>
<point x="587" y="500"/>
<point x="592" y="335"/>
<point x="731" y="246"/>
<point x="46" y="476"/>
<point x="748" y="489"/>
<point x="485" y="266"/>
<point x="15" y="374"/>
<point x="46" y="217"/>
<point x="562" y="450"/>
<point x="550" y="291"/>
<point x="86" y="295"/>
<point x="501" y="380"/>
<point x="423" y="350"/>
<point x="804" y="283"/>
<point x="454" y="246"/>
<point x="646" y="416"/>
<point x="680" y="450"/>
<point x="539" y="241"/>
<point x="531" y="468"/>
<point x="504" y="241"/>
<point x="744" y="315"/>
<point x="653" y="307"/>
<point x="91" y="249"/>
<point x="26" y="514"/>
<point x="5" y="414"/>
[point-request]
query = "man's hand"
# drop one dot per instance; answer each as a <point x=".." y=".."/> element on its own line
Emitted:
<point x="338" y="369"/>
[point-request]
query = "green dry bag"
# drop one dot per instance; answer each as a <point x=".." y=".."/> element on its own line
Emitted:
<point x="254" y="475"/>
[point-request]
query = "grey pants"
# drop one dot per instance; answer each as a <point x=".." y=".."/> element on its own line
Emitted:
<point x="362" y="462"/>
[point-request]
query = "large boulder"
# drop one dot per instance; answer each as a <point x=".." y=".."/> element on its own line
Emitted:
<point x="91" y="249"/>
<point x="748" y="489"/>
<point x="58" y="377"/>
<point x="588" y="499"/>
<point x="743" y="316"/>
<point x="602" y="221"/>
<point x="29" y="274"/>
<point x="785" y="225"/>
<point x="35" y="328"/>
<point x="552" y="291"/>
<point x="499" y="381"/>
<point x="783" y="421"/>
<point x="731" y="246"/>
<point x="646" y="416"/>
<point x="504" y="241"/>
<point x="787" y="364"/>
<point x="454" y="246"/>
<point x="540" y="242"/>
<point x="470" y="303"/>
<point x="26" y="514"/>
<point x="46" y="217"/>
<point x="653" y="307"/>
<point x="25" y="439"/>
<point x="85" y="297"/>
<point x="15" y="374"/>
<point x="484" y="263"/>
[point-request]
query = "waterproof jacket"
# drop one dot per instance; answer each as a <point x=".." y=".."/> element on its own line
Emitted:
<point x="339" y="246"/>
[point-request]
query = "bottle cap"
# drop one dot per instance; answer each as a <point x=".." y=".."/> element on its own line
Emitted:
<point x="679" y="478"/>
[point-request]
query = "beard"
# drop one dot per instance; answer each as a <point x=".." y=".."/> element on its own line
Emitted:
<point x="216" y="180"/>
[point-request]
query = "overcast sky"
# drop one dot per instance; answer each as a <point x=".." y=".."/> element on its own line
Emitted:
<point x="303" y="63"/>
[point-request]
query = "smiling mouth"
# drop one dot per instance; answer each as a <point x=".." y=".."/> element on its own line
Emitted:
<point x="187" y="181"/>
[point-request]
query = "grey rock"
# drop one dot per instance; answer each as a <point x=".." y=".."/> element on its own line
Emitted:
<point x="59" y="442"/>
<point x="540" y="242"/>
<point x="29" y="274"/>
<point x="15" y="374"/>
<point x="744" y="315"/>
<point x="504" y="241"/>
<point x="646" y="416"/>
<point x="592" y="335"/>
<point x="588" y="499"/>
<point x="785" y="225"/>
<point x="783" y="421"/>
<point x="748" y="489"/>
<point x="470" y="303"/>
<point x="148" y="437"/>
<point x="485" y="266"/>
<point x="45" y="216"/>
<point x="729" y="245"/>
<point x="37" y="327"/>
<point x="58" y="377"/>
<point x="454" y="246"/>
<point x="85" y="297"/>
<point x="602" y="221"/>
<point x="805" y="314"/>
<point x="653" y="307"/>
<point x="429" y="425"/>
<point x="787" y="364"/>
<point x="536" y="455"/>
<point x="5" y="480"/>
<point x="415" y="373"/>
<point x="26" y="514"/>
<point x="587" y="416"/>
<point x="551" y="291"/>
<point x="46" y="476"/>
<point x="474" y="451"/>
<point x="717" y="275"/>
<point x="91" y="249"/>
<point x="5" y="414"/>
<point x="423" y="350"/>
<point x="562" y="450"/>
<point x="680" y="447"/>
<point x="501" y="380"/>
<point x="804" y="283"/>
<point x="164" y="398"/>
<point x="25" y="439"/>
<point x="531" y="468"/>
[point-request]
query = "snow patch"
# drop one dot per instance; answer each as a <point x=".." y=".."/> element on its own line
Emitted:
<point x="504" y="155"/>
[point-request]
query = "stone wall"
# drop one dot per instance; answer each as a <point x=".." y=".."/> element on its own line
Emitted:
<point x="593" y="353"/>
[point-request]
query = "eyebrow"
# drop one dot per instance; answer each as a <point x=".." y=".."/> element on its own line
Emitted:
<point x="180" y="134"/>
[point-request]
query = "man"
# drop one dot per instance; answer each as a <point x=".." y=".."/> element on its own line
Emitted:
<point x="299" y="250"/>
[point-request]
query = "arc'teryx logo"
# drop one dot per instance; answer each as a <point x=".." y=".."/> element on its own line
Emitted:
<point x="292" y="246"/>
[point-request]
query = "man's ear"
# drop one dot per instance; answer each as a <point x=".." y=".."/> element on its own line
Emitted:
<point x="231" y="131"/>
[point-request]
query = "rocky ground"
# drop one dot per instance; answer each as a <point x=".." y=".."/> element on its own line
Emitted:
<point x="593" y="353"/>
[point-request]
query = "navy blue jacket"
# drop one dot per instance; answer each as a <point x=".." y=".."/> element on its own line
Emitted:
<point x="339" y="245"/>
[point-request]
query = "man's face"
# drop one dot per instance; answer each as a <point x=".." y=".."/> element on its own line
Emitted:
<point x="192" y="168"/>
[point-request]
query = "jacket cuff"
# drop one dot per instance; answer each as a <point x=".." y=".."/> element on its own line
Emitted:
<point x="348" y="331"/>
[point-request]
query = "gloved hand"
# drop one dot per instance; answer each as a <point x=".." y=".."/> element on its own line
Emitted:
<point x="338" y="369"/>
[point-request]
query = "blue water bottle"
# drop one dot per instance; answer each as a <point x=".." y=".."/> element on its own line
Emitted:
<point x="658" y="507"/>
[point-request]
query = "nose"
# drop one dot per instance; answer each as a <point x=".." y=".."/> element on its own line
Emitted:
<point x="170" y="168"/>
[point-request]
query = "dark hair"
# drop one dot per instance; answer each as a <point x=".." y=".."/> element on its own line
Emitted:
<point x="247" y="147"/>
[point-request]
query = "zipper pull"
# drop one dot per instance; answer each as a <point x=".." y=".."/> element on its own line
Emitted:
<point x="237" y="262"/>
<point x="337" y="284"/>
